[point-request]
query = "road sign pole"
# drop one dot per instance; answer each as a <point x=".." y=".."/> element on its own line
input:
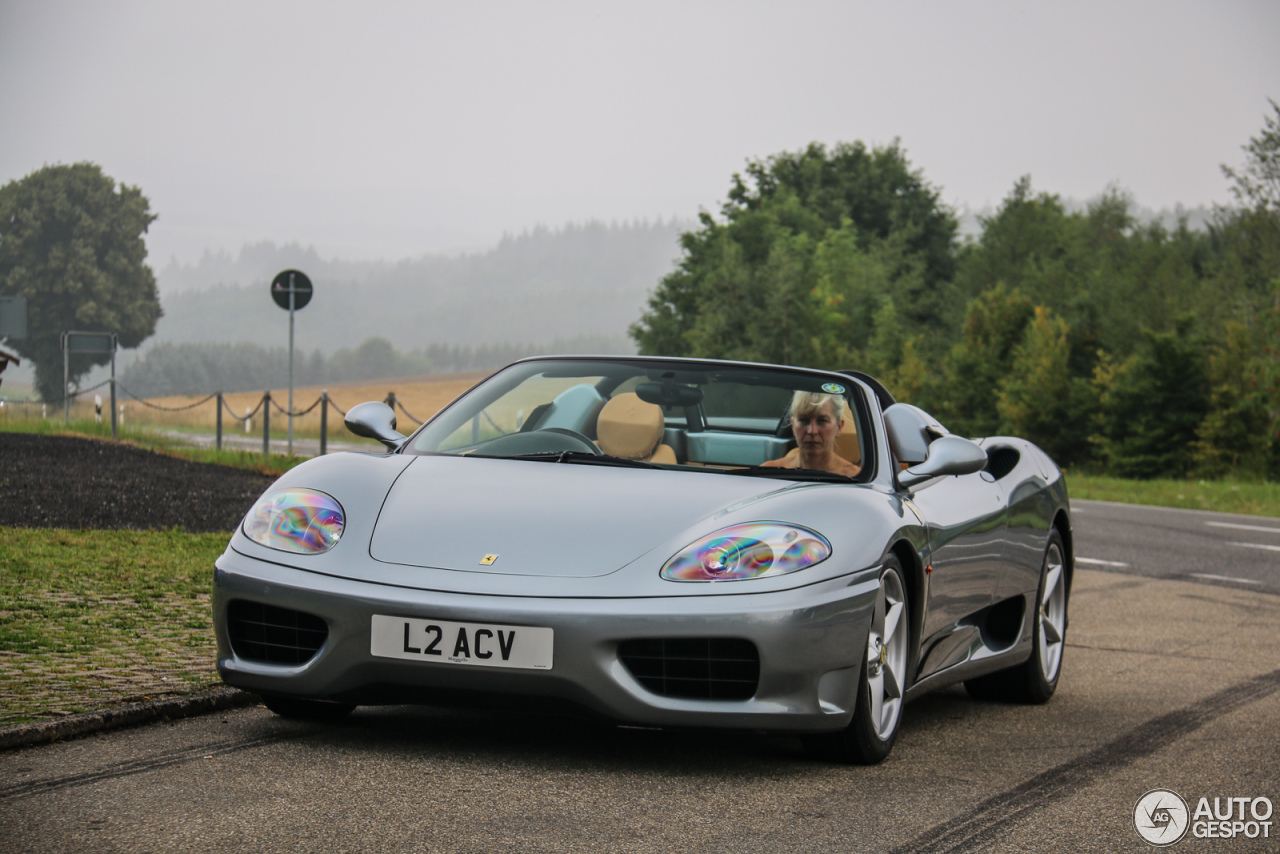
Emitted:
<point x="291" y="290"/>
<point x="66" y="382"/>
<point x="114" y="424"/>
<point x="291" y="302"/>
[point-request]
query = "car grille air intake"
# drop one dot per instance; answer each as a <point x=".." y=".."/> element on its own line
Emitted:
<point x="694" y="668"/>
<point x="274" y="635"/>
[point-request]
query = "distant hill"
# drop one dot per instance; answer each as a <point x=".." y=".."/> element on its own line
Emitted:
<point x="544" y="284"/>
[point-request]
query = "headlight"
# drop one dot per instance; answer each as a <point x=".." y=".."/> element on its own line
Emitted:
<point x="753" y="550"/>
<point x="295" y="520"/>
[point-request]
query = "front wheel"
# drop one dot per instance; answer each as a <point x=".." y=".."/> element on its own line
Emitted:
<point x="878" y="712"/>
<point x="1035" y="680"/>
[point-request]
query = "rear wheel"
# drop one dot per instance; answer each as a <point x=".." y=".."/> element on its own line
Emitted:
<point x="878" y="712"/>
<point x="306" y="710"/>
<point x="1035" y="680"/>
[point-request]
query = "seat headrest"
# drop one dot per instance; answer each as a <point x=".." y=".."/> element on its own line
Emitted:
<point x="629" y="427"/>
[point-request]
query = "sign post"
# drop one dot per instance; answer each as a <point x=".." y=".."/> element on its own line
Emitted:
<point x="87" y="342"/>
<point x="291" y="290"/>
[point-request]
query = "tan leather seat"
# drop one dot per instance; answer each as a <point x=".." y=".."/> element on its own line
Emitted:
<point x="847" y="441"/>
<point x="631" y="428"/>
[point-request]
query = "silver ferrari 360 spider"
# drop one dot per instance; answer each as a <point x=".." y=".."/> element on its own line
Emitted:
<point x="665" y="542"/>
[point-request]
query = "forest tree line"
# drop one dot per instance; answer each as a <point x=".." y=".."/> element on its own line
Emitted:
<point x="1122" y="346"/>
<point x="540" y="285"/>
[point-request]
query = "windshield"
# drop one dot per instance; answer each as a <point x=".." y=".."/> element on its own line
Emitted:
<point x="683" y="415"/>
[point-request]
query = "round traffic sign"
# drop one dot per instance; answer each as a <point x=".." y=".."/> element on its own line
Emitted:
<point x="291" y="283"/>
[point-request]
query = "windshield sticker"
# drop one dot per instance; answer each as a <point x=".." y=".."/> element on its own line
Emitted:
<point x="833" y="388"/>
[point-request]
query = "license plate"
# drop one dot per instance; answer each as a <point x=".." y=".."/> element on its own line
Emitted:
<point x="482" y="644"/>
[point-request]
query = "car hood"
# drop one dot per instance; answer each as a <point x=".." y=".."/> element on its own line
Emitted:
<point x="534" y="518"/>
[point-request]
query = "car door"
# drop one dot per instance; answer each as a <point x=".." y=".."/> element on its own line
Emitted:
<point x="967" y="519"/>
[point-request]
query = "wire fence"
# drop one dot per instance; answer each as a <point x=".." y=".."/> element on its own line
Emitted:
<point x="77" y="402"/>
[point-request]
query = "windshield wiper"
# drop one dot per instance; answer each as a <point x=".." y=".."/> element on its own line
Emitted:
<point x="791" y="474"/>
<point x="583" y="457"/>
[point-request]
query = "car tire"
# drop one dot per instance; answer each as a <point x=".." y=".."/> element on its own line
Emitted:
<point x="1035" y="680"/>
<point x="306" y="710"/>
<point x="877" y="714"/>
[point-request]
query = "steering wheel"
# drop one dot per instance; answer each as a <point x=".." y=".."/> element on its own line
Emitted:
<point x="587" y="445"/>
<point x="546" y="441"/>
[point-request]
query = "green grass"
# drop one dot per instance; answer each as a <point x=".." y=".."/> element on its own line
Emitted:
<point x="89" y="619"/>
<point x="274" y="465"/>
<point x="1224" y="496"/>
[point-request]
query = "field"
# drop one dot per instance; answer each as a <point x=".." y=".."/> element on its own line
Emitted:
<point x="420" y="397"/>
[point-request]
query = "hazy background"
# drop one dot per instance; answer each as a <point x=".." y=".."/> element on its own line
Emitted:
<point x="351" y="134"/>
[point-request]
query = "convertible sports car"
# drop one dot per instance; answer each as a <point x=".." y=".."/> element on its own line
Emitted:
<point x="601" y="533"/>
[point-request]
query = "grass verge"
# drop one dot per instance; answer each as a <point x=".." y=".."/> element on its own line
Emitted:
<point x="1222" y="496"/>
<point x="91" y="619"/>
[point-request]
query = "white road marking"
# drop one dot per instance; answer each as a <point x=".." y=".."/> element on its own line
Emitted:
<point x="1096" y="562"/>
<point x="1224" y="578"/>
<point x="1256" y="546"/>
<point x="1244" y="527"/>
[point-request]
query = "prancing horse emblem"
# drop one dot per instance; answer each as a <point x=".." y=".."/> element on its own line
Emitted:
<point x="488" y="560"/>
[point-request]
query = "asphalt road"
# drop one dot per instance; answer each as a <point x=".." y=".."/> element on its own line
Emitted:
<point x="1192" y="545"/>
<point x="1171" y="680"/>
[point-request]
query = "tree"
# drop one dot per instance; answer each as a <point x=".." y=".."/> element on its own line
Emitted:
<point x="994" y="324"/>
<point x="799" y="235"/>
<point x="1257" y="183"/>
<point x="1235" y="435"/>
<point x="72" y="244"/>
<point x="1247" y="238"/>
<point x="1040" y="400"/>
<point x="1152" y="406"/>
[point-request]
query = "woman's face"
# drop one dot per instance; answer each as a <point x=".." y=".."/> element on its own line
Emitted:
<point x="816" y="429"/>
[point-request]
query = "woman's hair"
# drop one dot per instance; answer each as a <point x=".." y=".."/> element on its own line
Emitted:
<point x="805" y="402"/>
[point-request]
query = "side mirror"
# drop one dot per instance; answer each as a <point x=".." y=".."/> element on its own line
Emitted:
<point x="375" y="420"/>
<point x="911" y="430"/>
<point x="947" y="455"/>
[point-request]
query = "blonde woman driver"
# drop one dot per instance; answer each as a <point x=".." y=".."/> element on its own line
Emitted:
<point x="816" y="420"/>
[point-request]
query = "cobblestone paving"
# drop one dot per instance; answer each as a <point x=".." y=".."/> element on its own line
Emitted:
<point x="98" y="649"/>
<point x="131" y="666"/>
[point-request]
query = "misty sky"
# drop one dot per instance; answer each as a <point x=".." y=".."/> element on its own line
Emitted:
<point x="392" y="129"/>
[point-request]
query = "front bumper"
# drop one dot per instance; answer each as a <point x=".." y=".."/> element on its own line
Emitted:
<point x="810" y="640"/>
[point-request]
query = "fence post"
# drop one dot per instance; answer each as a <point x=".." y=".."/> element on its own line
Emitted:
<point x="266" y="423"/>
<point x="324" y="419"/>
<point x="217" y="442"/>
<point x="391" y="401"/>
<point x="114" y="423"/>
